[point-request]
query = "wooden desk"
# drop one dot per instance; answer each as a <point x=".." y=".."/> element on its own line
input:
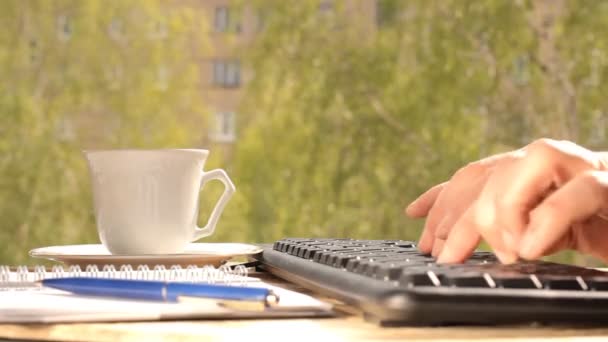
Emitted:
<point x="348" y="326"/>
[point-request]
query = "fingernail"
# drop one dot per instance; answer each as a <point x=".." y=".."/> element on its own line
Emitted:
<point x="445" y="256"/>
<point x="423" y="247"/>
<point x="437" y="247"/>
<point x="435" y="251"/>
<point x="528" y="246"/>
<point x="505" y="257"/>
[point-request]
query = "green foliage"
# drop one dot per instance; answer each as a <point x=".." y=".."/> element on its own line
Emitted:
<point x="351" y="112"/>
<point x="78" y="75"/>
<point x="350" y="121"/>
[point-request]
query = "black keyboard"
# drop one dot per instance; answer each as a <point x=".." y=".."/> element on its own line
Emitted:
<point x="395" y="284"/>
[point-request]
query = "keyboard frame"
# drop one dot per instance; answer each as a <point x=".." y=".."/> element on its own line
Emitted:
<point x="387" y="305"/>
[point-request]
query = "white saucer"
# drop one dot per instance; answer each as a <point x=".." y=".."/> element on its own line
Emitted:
<point x="198" y="254"/>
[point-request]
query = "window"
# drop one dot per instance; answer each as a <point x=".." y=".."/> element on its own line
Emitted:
<point x="64" y="28"/>
<point x="116" y="29"/>
<point x="224" y="127"/>
<point x="520" y="70"/>
<point x="595" y="73"/>
<point x="221" y="20"/>
<point x="326" y="6"/>
<point x="159" y="30"/>
<point x="387" y="12"/>
<point x="227" y="73"/>
<point x="114" y="77"/>
<point x="34" y="51"/>
<point x="162" y="78"/>
<point x="261" y="18"/>
<point x="64" y="129"/>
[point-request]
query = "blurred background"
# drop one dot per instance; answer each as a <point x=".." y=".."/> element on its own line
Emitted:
<point x="329" y="116"/>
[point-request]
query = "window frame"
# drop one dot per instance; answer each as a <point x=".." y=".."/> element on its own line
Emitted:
<point x="226" y="73"/>
<point x="224" y="127"/>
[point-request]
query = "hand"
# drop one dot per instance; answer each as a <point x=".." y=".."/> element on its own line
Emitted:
<point x="548" y="196"/>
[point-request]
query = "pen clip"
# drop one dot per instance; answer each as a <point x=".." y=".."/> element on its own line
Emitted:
<point x="271" y="300"/>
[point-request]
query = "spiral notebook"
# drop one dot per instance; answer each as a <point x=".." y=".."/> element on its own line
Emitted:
<point x="24" y="276"/>
<point x="22" y="300"/>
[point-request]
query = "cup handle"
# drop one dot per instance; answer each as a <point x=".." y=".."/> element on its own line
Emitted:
<point x="229" y="189"/>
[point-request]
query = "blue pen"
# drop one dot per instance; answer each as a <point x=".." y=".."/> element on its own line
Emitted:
<point x="161" y="291"/>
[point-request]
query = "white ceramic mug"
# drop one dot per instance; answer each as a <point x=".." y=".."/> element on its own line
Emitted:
<point x="146" y="201"/>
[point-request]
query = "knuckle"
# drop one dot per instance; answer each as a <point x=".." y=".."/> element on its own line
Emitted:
<point x="596" y="184"/>
<point x="445" y="225"/>
<point x="543" y="142"/>
<point x="460" y="172"/>
<point x="549" y="209"/>
<point x="543" y="148"/>
<point x="443" y="231"/>
<point x="479" y="223"/>
<point x="508" y="202"/>
<point x="483" y="216"/>
<point x="472" y="169"/>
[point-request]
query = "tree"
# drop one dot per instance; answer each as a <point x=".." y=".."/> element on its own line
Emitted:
<point x="350" y="120"/>
<point x="86" y="74"/>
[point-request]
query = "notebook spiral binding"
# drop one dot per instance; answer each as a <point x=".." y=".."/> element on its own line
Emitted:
<point x="23" y="275"/>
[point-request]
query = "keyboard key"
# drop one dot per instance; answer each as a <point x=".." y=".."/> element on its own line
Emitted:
<point x="424" y="278"/>
<point x="352" y="264"/>
<point x="276" y="245"/>
<point x="373" y="264"/>
<point x="310" y="252"/>
<point x="321" y="255"/>
<point x="597" y="283"/>
<point x="289" y="249"/>
<point x="392" y="270"/>
<point x="516" y="282"/>
<point x="340" y="260"/>
<point x="328" y="258"/>
<point x="563" y="283"/>
<point x="466" y="280"/>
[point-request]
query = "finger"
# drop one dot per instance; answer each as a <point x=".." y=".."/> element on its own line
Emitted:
<point x="456" y="196"/>
<point x="438" y="241"/>
<point x="462" y="240"/>
<point x="437" y="247"/>
<point x="423" y="204"/>
<point x="458" y="208"/>
<point x="591" y="238"/>
<point x="483" y="216"/>
<point x="485" y="224"/>
<point x="517" y="189"/>
<point x="442" y="232"/>
<point x="434" y="217"/>
<point x="566" y="242"/>
<point x="445" y="226"/>
<point x="425" y="243"/>
<point x="584" y="237"/>
<point x="575" y="202"/>
<point x="520" y="186"/>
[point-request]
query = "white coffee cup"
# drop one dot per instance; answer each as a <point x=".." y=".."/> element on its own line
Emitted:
<point x="146" y="201"/>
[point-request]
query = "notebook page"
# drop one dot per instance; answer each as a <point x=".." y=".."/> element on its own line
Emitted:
<point x="53" y="306"/>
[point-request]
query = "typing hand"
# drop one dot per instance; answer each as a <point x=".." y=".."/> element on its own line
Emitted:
<point x="548" y="196"/>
